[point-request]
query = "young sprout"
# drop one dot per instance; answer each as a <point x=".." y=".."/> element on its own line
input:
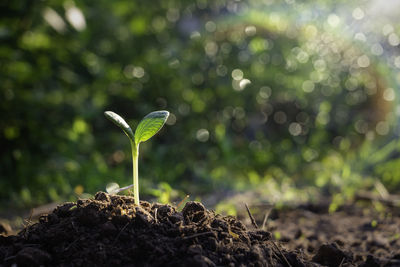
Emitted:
<point x="147" y="127"/>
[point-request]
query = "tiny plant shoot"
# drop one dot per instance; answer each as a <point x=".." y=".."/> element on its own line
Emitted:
<point x="147" y="127"/>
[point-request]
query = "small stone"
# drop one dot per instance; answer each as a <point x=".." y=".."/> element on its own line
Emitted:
<point x="5" y="228"/>
<point x="193" y="211"/>
<point x="143" y="216"/>
<point x="165" y="211"/>
<point x="102" y="196"/>
<point x="370" y="262"/>
<point x="329" y="255"/>
<point x="175" y="218"/>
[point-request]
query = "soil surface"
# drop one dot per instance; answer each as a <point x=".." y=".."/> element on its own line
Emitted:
<point x="358" y="233"/>
<point x="112" y="230"/>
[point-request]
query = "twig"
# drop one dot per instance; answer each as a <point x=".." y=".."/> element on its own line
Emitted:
<point x="196" y="235"/>
<point x="383" y="192"/>
<point x="155" y="215"/>
<point x="270" y="255"/>
<point x="273" y="252"/>
<point x="253" y="221"/>
<point x="266" y="218"/>
<point x="341" y="263"/>
<point x="280" y="251"/>
<point x="29" y="220"/>
<point x="27" y="223"/>
<point x="73" y="242"/>
<point x="120" y="232"/>
<point x="180" y="203"/>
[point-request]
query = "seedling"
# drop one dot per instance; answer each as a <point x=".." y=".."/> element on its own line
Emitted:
<point x="147" y="127"/>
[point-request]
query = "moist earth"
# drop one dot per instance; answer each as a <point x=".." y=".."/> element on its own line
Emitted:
<point x="111" y="230"/>
<point x="364" y="234"/>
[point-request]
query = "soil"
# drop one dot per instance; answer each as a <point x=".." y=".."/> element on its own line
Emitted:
<point x="111" y="230"/>
<point x="363" y="235"/>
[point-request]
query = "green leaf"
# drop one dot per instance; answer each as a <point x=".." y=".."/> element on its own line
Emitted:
<point x="150" y="125"/>
<point x="120" y="122"/>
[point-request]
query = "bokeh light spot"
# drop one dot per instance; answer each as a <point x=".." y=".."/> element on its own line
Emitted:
<point x="222" y="70"/>
<point x="265" y="92"/>
<point x="295" y="128"/>
<point x="138" y="72"/>
<point x="377" y="49"/>
<point x="250" y="30"/>
<point x="382" y="128"/>
<point x="244" y="83"/>
<point x="361" y="126"/>
<point x="237" y="74"/>
<point x="394" y="39"/>
<point x="171" y="119"/>
<point x="211" y="48"/>
<point x="76" y="18"/>
<point x="210" y="26"/>
<point x="280" y="117"/>
<point x="397" y="62"/>
<point x="358" y="13"/>
<point x="308" y="86"/>
<point x="202" y="135"/>
<point x="333" y="20"/>
<point x="363" y="61"/>
<point x="389" y="94"/>
<point x="387" y="29"/>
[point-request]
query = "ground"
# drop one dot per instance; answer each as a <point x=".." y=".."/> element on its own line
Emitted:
<point x="112" y="230"/>
<point x="355" y="232"/>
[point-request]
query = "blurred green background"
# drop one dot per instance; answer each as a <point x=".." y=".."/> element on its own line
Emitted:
<point x="289" y="100"/>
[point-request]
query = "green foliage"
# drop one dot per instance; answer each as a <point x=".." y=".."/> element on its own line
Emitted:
<point x="263" y="96"/>
<point x="150" y="125"/>
<point x="147" y="128"/>
<point x="121" y="123"/>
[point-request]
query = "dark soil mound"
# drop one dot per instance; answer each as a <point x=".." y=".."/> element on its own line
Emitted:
<point x="112" y="230"/>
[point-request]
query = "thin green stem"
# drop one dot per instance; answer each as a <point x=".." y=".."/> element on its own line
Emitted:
<point x="135" y="165"/>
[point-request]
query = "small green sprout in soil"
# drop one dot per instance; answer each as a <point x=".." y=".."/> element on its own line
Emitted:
<point x="147" y="127"/>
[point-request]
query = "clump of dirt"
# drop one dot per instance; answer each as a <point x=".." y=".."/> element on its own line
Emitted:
<point x="111" y="230"/>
